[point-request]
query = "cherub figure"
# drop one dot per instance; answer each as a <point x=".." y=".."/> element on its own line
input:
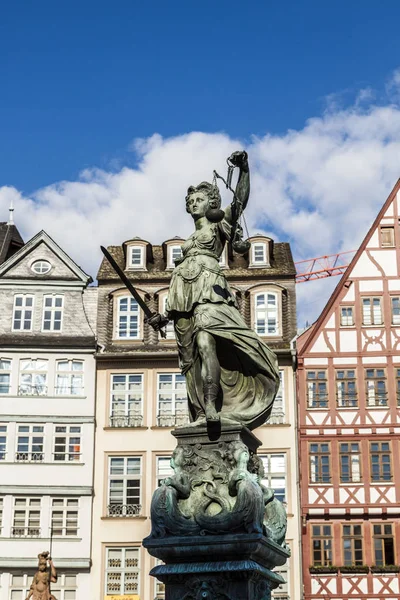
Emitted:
<point x="40" y="586"/>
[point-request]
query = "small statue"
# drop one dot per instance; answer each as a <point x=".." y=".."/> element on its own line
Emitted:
<point x="40" y="586"/>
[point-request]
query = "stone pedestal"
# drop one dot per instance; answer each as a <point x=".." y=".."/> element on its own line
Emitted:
<point x="218" y="531"/>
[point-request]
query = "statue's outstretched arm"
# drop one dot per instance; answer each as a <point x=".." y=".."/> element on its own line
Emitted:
<point x="242" y="191"/>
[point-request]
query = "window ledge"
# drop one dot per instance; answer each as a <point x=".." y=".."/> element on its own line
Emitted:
<point x="66" y="538"/>
<point x="122" y="519"/>
<point x="108" y="428"/>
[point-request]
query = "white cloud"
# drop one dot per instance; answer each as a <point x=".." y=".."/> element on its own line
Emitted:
<point x="319" y="187"/>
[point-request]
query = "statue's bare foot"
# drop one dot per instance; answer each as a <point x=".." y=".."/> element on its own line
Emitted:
<point x="212" y="415"/>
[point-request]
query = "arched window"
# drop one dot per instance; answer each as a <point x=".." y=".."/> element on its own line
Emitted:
<point x="128" y="318"/>
<point x="266" y="320"/>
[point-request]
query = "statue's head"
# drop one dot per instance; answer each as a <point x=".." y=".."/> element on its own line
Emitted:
<point x="43" y="556"/>
<point x="204" y="200"/>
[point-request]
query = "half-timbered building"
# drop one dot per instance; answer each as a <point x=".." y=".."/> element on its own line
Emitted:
<point x="349" y="420"/>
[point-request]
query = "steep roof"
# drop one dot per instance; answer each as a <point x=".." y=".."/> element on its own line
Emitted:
<point x="10" y="241"/>
<point x="282" y="265"/>
<point x="306" y="339"/>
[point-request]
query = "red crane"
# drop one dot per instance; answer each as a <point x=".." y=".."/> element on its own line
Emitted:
<point x="323" y="266"/>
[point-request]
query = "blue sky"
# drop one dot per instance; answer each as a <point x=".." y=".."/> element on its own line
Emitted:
<point x="108" y="111"/>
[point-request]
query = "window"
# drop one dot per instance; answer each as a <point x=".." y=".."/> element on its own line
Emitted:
<point x="67" y="443"/>
<point x="23" y="312"/>
<point x="278" y="407"/>
<point x="33" y="377"/>
<point x="398" y="386"/>
<point x="159" y="587"/>
<point x="69" y="378"/>
<point x="169" y="329"/>
<point x="372" y="311"/>
<point x="322" y="545"/>
<point x="128" y="318"/>
<point x="387" y="236"/>
<point x="136" y="254"/>
<point x="126" y="400"/>
<point x="65" y="588"/>
<point x="266" y="314"/>
<point x="164" y="469"/>
<point x="20" y="585"/>
<point x="320" y="470"/>
<point x="172" y="406"/>
<point x="346" y="316"/>
<point x="381" y="469"/>
<point x="52" y="313"/>
<point x="174" y="253"/>
<point x="395" y="310"/>
<point x="317" y="389"/>
<point x="282" y="591"/>
<point x="259" y="253"/>
<point x="350" y="463"/>
<point x="3" y="442"/>
<point x="352" y="545"/>
<point x="30" y="443"/>
<point x="64" y="516"/>
<point x="223" y="259"/>
<point x="26" y="518"/>
<point x="41" y="267"/>
<point x="122" y="571"/>
<point x="346" y="390"/>
<point x="124" y="499"/>
<point x="383" y="544"/>
<point x="275" y="474"/>
<point x="376" y="387"/>
<point x="5" y="375"/>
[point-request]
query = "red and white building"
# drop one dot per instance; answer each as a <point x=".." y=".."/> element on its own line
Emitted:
<point x="349" y="426"/>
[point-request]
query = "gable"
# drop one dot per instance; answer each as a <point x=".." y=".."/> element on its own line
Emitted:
<point x="372" y="263"/>
<point x="59" y="270"/>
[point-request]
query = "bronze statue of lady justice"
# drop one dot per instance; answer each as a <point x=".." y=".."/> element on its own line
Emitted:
<point x="231" y="374"/>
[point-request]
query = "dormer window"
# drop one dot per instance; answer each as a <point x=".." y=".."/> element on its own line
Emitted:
<point x="136" y="257"/>
<point x="259" y="254"/>
<point x="174" y="253"/>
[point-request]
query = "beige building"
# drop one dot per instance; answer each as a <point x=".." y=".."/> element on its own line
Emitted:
<point x="141" y="396"/>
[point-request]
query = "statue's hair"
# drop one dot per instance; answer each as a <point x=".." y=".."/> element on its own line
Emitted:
<point x="214" y="212"/>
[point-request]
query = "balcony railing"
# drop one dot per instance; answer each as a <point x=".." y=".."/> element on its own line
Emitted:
<point x="135" y="420"/>
<point x="30" y="457"/>
<point x="169" y="420"/>
<point x="276" y="418"/>
<point x="124" y="510"/>
<point x="67" y="456"/>
<point x="26" y="532"/>
<point x="32" y="390"/>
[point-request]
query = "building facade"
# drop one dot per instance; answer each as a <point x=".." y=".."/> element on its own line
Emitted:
<point x="47" y="393"/>
<point x="349" y="420"/>
<point x="141" y="397"/>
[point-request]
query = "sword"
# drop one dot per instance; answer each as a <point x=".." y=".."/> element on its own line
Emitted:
<point x="130" y="287"/>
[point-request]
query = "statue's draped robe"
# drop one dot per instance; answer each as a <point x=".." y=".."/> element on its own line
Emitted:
<point x="200" y="299"/>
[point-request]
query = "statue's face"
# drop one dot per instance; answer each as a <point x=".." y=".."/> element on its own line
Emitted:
<point x="42" y="566"/>
<point x="197" y="204"/>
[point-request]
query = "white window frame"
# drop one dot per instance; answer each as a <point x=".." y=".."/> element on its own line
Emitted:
<point x="3" y="442"/>
<point x="31" y="526"/>
<point x="255" y="247"/>
<point x="24" y="310"/>
<point x="51" y="312"/>
<point x="169" y="328"/>
<point x="38" y="377"/>
<point x="282" y="591"/>
<point x="126" y="412"/>
<point x="159" y="587"/>
<point x="40" y="263"/>
<point x="63" y="586"/>
<point x="345" y="319"/>
<point x="372" y="314"/>
<point x="124" y="508"/>
<point x="129" y="313"/>
<point x="171" y="249"/>
<point x="140" y="264"/>
<point x="71" y="376"/>
<point x="278" y="414"/>
<point x="5" y="371"/>
<point x="223" y="259"/>
<point x="389" y="242"/>
<point x="271" y="475"/>
<point x="122" y="585"/>
<point x="395" y="309"/>
<point x="266" y="313"/>
<point x="68" y="511"/>
<point x="172" y="417"/>
<point x="69" y="450"/>
<point x="34" y="434"/>
<point x="163" y="468"/>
